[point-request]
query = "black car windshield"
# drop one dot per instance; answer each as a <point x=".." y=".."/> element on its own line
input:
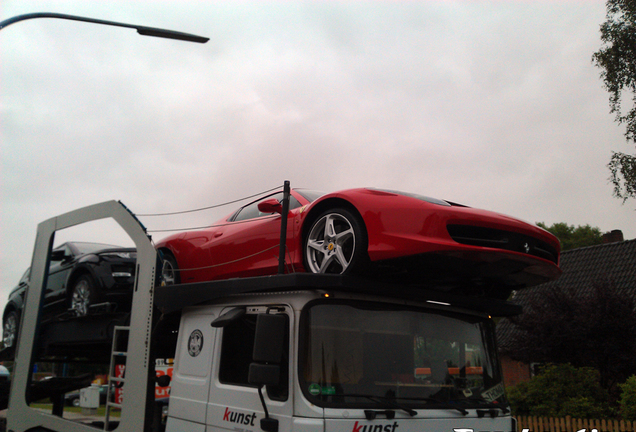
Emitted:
<point x="310" y="195"/>
<point x="84" y="248"/>
<point x="358" y="355"/>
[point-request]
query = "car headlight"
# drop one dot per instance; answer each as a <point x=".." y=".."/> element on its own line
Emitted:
<point x="122" y="255"/>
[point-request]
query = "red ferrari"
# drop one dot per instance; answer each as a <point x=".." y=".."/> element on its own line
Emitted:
<point x="380" y="233"/>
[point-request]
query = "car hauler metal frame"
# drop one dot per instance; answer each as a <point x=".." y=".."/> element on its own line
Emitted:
<point x="134" y="412"/>
<point x="152" y="304"/>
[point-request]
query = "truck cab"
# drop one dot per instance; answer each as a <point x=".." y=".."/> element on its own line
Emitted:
<point x="348" y="361"/>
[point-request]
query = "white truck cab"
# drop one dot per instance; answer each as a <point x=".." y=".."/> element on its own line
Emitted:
<point x="346" y="362"/>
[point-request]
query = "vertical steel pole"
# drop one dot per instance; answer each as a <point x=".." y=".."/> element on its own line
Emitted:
<point x="283" y="228"/>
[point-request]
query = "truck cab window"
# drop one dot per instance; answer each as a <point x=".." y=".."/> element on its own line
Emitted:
<point x="237" y="347"/>
<point x="352" y="353"/>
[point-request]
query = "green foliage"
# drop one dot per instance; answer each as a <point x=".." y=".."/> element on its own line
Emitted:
<point x="572" y="237"/>
<point x="628" y="399"/>
<point x="623" y="175"/>
<point x="617" y="61"/>
<point x="429" y="350"/>
<point x="561" y="390"/>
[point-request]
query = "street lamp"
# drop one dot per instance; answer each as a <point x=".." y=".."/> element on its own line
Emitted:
<point x="142" y="30"/>
<point x="131" y="418"/>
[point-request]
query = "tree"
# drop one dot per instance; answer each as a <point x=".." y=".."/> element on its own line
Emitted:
<point x="559" y="391"/>
<point x="617" y="60"/>
<point x="587" y="328"/>
<point x="628" y="399"/>
<point x="572" y="237"/>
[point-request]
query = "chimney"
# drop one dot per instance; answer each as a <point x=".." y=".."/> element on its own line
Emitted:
<point x="613" y="236"/>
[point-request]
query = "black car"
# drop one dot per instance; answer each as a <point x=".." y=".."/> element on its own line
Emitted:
<point x="82" y="277"/>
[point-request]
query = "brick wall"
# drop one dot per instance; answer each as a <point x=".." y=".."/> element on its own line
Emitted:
<point x="514" y="372"/>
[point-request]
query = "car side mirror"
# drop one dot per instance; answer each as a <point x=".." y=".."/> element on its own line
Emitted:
<point x="270" y="205"/>
<point x="58" y="255"/>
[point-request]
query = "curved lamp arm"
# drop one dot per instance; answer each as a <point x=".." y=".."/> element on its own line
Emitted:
<point x="142" y="30"/>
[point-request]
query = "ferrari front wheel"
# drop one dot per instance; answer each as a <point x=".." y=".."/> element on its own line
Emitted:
<point x="336" y="243"/>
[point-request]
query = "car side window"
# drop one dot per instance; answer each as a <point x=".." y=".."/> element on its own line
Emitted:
<point x="237" y="347"/>
<point x="293" y="203"/>
<point x="250" y="211"/>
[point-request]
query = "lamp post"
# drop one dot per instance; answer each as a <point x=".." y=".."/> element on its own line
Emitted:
<point x="142" y="30"/>
<point x="137" y="416"/>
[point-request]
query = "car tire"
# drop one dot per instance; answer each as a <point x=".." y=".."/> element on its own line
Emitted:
<point x="10" y="329"/>
<point x="170" y="270"/>
<point x="75" y="402"/>
<point x="336" y="243"/>
<point x="82" y="295"/>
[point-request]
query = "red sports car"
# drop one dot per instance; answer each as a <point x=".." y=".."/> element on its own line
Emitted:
<point x="380" y="233"/>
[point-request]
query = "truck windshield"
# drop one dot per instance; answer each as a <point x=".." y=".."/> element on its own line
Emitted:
<point x="369" y="354"/>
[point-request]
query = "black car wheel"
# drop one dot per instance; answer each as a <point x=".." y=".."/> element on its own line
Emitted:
<point x="75" y="402"/>
<point x="82" y="295"/>
<point x="10" y="329"/>
<point x="336" y="243"/>
<point x="170" y="270"/>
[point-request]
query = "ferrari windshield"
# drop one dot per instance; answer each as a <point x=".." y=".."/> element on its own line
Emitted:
<point x="362" y="355"/>
<point x="310" y="195"/>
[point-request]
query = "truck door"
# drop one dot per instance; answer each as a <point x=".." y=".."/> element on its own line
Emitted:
<point x="234" y="404"/>
<point x="190" y="383"/>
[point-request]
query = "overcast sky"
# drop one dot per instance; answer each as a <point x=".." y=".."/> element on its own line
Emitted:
<point x="492" y="104"/>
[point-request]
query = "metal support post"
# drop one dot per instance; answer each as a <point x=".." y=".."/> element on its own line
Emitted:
<point x="283" y="228"/>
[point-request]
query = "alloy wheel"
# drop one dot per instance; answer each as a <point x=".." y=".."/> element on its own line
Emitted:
<point x="10" y="330"/>
<point x="331" y="244"/>
<point x="80" y="299"/>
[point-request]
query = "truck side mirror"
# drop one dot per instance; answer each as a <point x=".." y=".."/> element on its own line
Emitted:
<point x="228" y="317"/>
<point x="269" y="341"/>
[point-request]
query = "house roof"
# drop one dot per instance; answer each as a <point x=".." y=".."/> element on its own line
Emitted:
<point x="611" y="262"/>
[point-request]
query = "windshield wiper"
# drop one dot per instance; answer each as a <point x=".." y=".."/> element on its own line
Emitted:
<point x="485" y="404"/>
<point x="411" y="412"/>
<point x="444" y="404"/>
<point x="379" y="400"/>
